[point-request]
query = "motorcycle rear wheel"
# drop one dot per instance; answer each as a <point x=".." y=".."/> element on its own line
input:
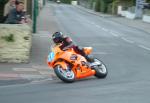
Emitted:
<point x="66" y="75"/>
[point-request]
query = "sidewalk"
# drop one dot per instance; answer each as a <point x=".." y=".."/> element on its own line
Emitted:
<point x="37" y="70"/>
<point x="137" y="23"/>
<point x="47" y="23"/>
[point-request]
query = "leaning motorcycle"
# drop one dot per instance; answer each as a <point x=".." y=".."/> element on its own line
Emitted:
<point x="70" y="66"/>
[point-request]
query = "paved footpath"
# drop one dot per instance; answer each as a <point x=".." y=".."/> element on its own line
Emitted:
<point x="26" y="75"/>
<point x="37" y="69"/>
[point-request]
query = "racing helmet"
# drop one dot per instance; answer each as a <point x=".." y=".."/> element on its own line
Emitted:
<point x="57" y="37"/>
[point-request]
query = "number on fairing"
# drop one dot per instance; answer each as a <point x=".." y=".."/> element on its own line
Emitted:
<point x="51" y="56"/>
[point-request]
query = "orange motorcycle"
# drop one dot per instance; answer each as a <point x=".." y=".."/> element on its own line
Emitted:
<point x="70" y="66"/>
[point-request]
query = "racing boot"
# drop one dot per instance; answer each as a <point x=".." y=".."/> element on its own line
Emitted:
<point x="89" y="59"/>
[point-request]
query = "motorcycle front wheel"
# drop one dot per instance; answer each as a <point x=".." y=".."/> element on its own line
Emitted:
<point x="66" y="75"/>
<point x="101" y="70"/>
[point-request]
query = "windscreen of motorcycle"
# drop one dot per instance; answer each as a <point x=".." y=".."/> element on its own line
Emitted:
<point x="51" y="56"/>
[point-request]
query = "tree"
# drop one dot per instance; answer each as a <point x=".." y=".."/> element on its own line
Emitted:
<point x="66" y="1"/>
<point x="102" y="5"/>
<point x="97" y="6"/>
<point x="148" y="1"/>
<point x="2" y="3"/>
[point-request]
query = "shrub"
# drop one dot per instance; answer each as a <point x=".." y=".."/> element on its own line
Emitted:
<point x="97" y="6"/>
<point x="91" y="3"/>
<point x="103" y="7"/>
<point x="66" y="1"/>
<point x="147" y="12"/>
<point x="9" y="38"/>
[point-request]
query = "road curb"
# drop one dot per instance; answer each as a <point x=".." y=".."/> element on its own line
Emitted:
<point x="93" y="12"/>
<point x="26" y="75"/>
<point x="22" y="80"/>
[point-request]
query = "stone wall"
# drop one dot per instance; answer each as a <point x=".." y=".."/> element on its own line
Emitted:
<point x="15" y="43"/>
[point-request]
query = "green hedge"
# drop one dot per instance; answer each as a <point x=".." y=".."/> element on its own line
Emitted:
<point x="97" y="6"/>
<point x="102" y="5"/>
<point x="109" y="6"/>
<point x="90" y="2"/>
<point x="147" y="12"/>
<point x="124" y="3"/>
<point x="66" y="1"/>
<point x="148" y="1"/>
<point x="2" y="3"/>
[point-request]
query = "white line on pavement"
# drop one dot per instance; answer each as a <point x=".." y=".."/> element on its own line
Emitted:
<point x="40" y="81"/>
<point x="98" y="26"/>
<point x="9" y="75"/>
<point x="114" y="34"/>
<point x="144" y="47"/>
<point x="42" y="36"/>
<point x="105" y="29"/>
<point x="45" y="72"/>
<point x="105" y="44"/>
<point x="30" y="76"/>
<point x="92" y="23"/>
<point x="24" y="69"/>
<point x="127" y="40"/>
<point x="100" y="53"/>
<point x="43" y="32"/>
<point x="39" y="67"/>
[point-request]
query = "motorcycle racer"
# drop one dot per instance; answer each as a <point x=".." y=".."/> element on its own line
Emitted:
<point x="66" y="42"/>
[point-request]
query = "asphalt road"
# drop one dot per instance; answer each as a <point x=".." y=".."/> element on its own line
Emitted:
<point x="124" y="50"/>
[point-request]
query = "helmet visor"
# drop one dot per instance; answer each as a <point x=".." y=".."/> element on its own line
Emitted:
<point x="57" y="40"/>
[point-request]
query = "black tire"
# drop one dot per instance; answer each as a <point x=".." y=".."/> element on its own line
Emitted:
<point x="101" y="70"/>
<point x="59" y="72"/>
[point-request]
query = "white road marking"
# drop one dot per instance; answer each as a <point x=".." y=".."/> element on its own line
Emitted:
<point x="114" y="33"/>
<point x="45" y="72"/>
<point x="127" y="40"/>
<point x="98" y="26"/>
<point x="40" y="81"/>
<point x="43" y="32"/>
<point x="105" y="29"/>
<point x="24" y="69"/>
<point x="105" y="44"/>
<point x="30" y="76"/>
<point x="39" y="67"/>
<point x="8" y="75"/>
<point x="100" y="53"/>
<point x="144" y="47"/>
<point x="42" y="36"/>
<point x="92" y="23"/>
